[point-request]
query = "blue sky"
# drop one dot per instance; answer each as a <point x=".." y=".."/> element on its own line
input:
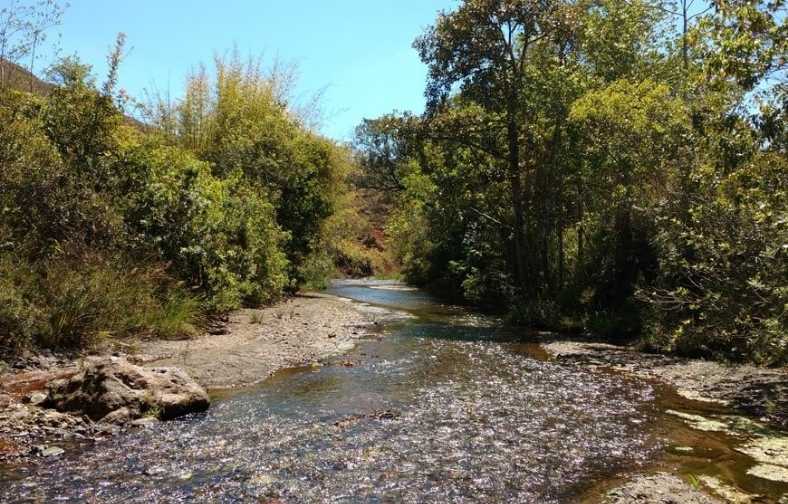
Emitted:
<point x="360" y="50"/>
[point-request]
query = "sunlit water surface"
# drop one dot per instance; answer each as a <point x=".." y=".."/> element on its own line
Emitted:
<point x="442" y="406"/>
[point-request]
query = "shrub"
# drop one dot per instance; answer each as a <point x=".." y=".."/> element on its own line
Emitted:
<point x="723" y="284"/>
<point x="217" y="234"/>
<point x="20" y="320"/>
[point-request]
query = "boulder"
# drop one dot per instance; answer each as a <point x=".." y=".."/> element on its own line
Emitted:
<point x="115" y="389"/>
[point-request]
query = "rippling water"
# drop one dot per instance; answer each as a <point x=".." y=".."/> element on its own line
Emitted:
<point x="442" y="407"/>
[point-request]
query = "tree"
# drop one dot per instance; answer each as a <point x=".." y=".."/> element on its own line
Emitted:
<point x="385" y="146"/>
<point x="484" y="47"/>
<point x="750" y="41"/>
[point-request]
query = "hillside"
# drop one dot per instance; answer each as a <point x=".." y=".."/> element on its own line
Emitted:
<point x="18" y="77"/>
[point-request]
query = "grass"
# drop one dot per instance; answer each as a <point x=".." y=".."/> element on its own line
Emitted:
<point x="179" y="316"/>
<point x="693" y="481"/>
<point x="153" y="412"/>
<point x="82" y="302"/>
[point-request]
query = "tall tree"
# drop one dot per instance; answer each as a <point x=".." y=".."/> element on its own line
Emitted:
<point x="483" y="47"/>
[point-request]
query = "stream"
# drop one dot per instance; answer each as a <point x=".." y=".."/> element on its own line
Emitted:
<point x="438" y="405"/>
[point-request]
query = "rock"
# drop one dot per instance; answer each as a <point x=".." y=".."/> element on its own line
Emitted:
<point x="155" y="471"/>
<point x="384" y="415"/>
<point x="698" y="422"/>
<point x="37" y="398"/>
<point x="144" y="422"/>
<point x="728" y="493"/>
<point x="22" y="384"/>
<point x="185" y="475"/>
<point x="767" y="450"/>
<point x="769" y="472"/>
<point x="766" y="397"/>
<point x="58" y="419"/>
<point x="660" y="488"/>
<point x="48" y="451"/>
<point x="109" y="384"/>
<point x="118" y="417"/>
<point x="107" y="429"/>
<point x="262" y="479"/>
<point x="217" y="329"/>
<point x="5" y="401"/>
<point x="20" y="413"/>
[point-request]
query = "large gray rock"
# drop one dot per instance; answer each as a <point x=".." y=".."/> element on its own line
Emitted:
<point x="115" y="389"/>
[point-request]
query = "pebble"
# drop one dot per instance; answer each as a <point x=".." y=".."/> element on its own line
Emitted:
<point x="37" y="398"/>
<point x="144" y="422"/>
<point x="155" y="471"/>
<point x="48" y="451"/>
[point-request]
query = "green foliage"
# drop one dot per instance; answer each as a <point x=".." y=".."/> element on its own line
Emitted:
<point x="217" y="233"/>
<point x="77" y="302"/>
<point x="239" y="124"/>
<point x="20" y="321"/>
<point x="723" y="287"/>
<point x="589" y="166"/>
<point x="750" y="41"/>
<point x="110" y="230"/>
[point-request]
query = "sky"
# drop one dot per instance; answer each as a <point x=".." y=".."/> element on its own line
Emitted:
<point x="358" y="51"/>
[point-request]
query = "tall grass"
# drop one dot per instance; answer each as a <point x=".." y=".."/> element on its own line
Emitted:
<point x="77" y="303"/>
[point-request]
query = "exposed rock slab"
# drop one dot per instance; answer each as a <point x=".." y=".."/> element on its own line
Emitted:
<point x="658" y="488"/>
<point x="759" y="392"/>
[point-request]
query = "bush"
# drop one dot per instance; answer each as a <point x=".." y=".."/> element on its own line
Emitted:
<point x="218" y="234"/>
<point x="111" y="229"/>
<point x="539" y="314"/>
<point x="723" y="284"/>
<point x="238" y="122"/>
<point x="20" y="320"/>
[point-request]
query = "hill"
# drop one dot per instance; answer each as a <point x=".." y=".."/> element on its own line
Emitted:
<point x="18" y="77"/>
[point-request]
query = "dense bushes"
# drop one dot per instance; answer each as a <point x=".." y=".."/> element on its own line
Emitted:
<point x="722" y="285"/>
<point x="110" y="228"/>
<point x="76" y="302"/>
<point x="240" y="125"/>
<point x="215" y="233"/>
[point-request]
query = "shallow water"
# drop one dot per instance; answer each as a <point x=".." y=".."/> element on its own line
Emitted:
<point x="441" y="406"/>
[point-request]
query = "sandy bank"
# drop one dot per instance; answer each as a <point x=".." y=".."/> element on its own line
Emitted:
<point x="258" y="342"/>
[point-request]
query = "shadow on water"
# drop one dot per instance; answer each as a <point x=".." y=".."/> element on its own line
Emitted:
<point x="444" y="406"/>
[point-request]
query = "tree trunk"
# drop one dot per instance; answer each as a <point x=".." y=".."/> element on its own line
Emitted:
<point x="561" y="257"/>
<point x="684" y="41"/>
<point x="517" y="201"/>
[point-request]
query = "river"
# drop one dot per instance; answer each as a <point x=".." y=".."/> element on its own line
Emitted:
<point x="438" y="405"/>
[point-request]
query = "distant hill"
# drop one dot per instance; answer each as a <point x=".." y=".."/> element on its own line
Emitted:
<point x="20" y="78"/>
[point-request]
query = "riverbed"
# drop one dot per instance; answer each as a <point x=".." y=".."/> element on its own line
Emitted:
<point x="439" y="404"/>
